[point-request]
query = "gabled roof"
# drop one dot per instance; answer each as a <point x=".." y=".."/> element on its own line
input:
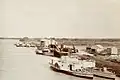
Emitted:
<point x="98" y="46"/>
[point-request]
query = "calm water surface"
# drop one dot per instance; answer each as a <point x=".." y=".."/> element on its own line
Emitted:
<point x="24" y="64"/>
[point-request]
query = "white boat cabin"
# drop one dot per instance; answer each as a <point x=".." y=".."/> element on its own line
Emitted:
<point x="72" y="63"/>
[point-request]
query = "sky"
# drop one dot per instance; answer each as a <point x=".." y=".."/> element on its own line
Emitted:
<point x="60" y="18"/>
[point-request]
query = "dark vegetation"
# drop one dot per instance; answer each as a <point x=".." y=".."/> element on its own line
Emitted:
<point x="78" y="41"/>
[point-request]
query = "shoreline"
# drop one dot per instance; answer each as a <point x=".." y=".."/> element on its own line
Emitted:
<point x="75" y="41"/>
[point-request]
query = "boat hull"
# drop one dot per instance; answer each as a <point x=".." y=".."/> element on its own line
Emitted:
<point x="95" y="75"/>
<point x="18" y="45"/>
<point x="71" y="73"/>
<point x="45" y="53"/>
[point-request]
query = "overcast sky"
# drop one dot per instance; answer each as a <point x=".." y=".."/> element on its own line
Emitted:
<point x="60" y="18"/>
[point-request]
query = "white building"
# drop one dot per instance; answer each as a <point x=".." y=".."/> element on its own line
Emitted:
<point x="114" y="50"/>
<point x="98" y="48"/>
<point x="46" y="42"/>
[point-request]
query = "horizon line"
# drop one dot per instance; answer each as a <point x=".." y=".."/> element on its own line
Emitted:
<point x="68" y="37"/>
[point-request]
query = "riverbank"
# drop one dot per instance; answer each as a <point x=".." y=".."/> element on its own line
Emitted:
<point x="28" y="56"/>
<point x="86" y="42"/>
<point x="23" y="64"/>
<point x="101" y="62"/>
<point x="77" y="41"/>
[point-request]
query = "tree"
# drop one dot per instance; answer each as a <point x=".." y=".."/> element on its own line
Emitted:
<point x="24" y="39"/>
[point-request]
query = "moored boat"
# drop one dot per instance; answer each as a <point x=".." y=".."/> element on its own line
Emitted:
<point x="73" y="66"/>
<point x="19" y="44"/>
<point x="103" y="73"/>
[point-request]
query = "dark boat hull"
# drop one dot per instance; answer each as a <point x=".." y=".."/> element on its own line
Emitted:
<point x="70" y="73"/>
<point x="104" y="77"/>
<point x="18" y="45"/>
<point x="45" y="54"/>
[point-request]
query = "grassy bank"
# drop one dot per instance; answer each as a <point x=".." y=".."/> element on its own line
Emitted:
<point x="103" y="63"/>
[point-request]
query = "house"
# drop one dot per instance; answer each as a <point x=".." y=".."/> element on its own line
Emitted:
<point x="46" y="42"/>
<point x="98" y="48"/>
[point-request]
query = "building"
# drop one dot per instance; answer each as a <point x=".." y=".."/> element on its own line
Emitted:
<point x="98" y="48"/>
<point x="46" y="42"/>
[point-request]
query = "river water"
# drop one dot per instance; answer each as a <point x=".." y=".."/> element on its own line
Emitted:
<point x="23" y="64"/>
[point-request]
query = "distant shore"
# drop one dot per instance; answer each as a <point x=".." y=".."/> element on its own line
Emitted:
<point x="78" y="41"/>
<point x="84" y="42"/>
<point x="9" y="38"/>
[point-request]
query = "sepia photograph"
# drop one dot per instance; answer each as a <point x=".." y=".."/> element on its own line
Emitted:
<point x="59" y="40"/>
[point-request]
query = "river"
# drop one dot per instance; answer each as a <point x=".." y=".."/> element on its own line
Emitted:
<point x="23" y="64"/>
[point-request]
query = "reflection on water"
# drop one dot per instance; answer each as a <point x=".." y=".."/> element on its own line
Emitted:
<point x="24" y="64"/>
